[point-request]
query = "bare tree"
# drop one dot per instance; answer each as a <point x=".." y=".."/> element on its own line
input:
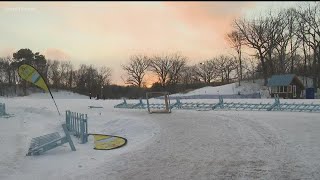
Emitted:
<point x="236" y="40"/>
<point x="54" y="73"/>
<point x="87" y="78"/>
<point x="206" y="71"/>
<point x="253" y="32"/>
<point x="6" y="70"/>
<point x="161" y="66"/>
<point x="80" y="77"/>
<point x="104" y="76"/>
<point x="271" y="35"/>
<point x="70" y="75"/>
<point x="65" y="68"/>
<point x="250" y="66"/>
<point x="261" y="34"/>
<point x="306" y="52"/>
<point x="188" y="75"/>
<point x="309" y="31"/>
<point x="178" y="62"/>
<point x="136" y="69"/>
<point x="225" y="66"/>
<point x="285" y="37"/>
<point x="168" y="68"/>
<point x="91" y="75"/>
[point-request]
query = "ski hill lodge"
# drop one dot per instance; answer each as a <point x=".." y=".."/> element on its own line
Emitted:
<point x="287" y="86"/>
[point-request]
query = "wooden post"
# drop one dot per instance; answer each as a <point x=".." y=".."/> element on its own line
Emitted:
<point x="166" y="101"/>
<point x="148" y="102"/>
<point x="68" y="137"/>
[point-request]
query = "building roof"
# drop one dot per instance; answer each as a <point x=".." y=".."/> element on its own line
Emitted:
<point x="281" y="80"/>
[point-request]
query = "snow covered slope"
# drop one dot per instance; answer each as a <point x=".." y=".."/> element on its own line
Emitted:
<point x="61" y="94"/>
<point x="246" y="88"/>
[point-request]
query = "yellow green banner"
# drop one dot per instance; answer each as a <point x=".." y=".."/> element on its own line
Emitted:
<point x="107" y="142"/>
<point x="30" y="74"/>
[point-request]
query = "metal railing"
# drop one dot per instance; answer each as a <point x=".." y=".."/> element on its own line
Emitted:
<point x="276" y="106"/>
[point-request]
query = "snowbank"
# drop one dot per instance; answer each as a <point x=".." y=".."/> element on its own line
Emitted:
<point x="61" y="94"/>
<point x="246" y="88"/>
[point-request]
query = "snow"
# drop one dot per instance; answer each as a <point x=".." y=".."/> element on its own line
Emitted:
<point x="36" y="115"/>
<point x="185" y="144"/>
<point x="246" y="87"/>
<point x="58" y="95"/>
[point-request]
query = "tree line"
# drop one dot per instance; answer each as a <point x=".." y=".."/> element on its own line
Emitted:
<point x="57" y="74"/>
<point x="287" y="41"/>
<point x="171" y="69"/>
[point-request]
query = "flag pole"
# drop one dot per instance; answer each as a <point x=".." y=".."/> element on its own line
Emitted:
<point x="54" y="102"/>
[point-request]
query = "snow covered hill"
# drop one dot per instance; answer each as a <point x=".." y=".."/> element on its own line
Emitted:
<point x="61" y="94"/>
<point x="246" y="88"/>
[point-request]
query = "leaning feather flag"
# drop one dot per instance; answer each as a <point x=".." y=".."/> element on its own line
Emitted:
<point x="31" y="75"/>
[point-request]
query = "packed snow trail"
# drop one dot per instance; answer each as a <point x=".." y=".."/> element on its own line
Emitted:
<point x="223" y="145"/>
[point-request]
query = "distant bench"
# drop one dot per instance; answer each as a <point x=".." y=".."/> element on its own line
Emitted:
<point x="95" y="107"/>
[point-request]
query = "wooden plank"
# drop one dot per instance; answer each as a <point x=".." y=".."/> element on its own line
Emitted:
<point x="68" y="137"/>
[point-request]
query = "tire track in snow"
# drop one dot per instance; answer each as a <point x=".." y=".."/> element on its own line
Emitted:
<point x="279" y="164"/>
<point x="210" y="145"/>
<point x="187" y="149"/>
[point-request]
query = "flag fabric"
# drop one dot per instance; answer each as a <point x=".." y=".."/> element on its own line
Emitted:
<point x="107" y="142"/>
<point x="30" y="74"/>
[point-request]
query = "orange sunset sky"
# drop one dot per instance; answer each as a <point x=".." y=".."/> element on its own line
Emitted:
<point x="107" y="33"/>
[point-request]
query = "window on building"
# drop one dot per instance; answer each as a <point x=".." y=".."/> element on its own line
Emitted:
<point x="285" y="89"/>
<point x="281" y="89"/>
<point x="289" y="89"/>
<point x="274" y="89"/>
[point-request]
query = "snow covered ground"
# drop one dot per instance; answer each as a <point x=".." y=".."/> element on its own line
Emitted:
<point x="246" y="88"/>
<point x="233" y="88"/>
<point x="185" y="144"/>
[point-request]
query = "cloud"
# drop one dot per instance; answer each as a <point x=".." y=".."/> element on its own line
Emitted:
<point x="56" y="54"/>
<point x="108" y="33"/>
<point x="117" y="30"/>
<point x="212" y="20"/>
<point x="4" y="52"/>
<point x="113" y="28"/>
<point x="159" y="26"/>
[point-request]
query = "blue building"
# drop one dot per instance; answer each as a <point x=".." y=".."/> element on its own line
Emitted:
<point x="287" y="86"/>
